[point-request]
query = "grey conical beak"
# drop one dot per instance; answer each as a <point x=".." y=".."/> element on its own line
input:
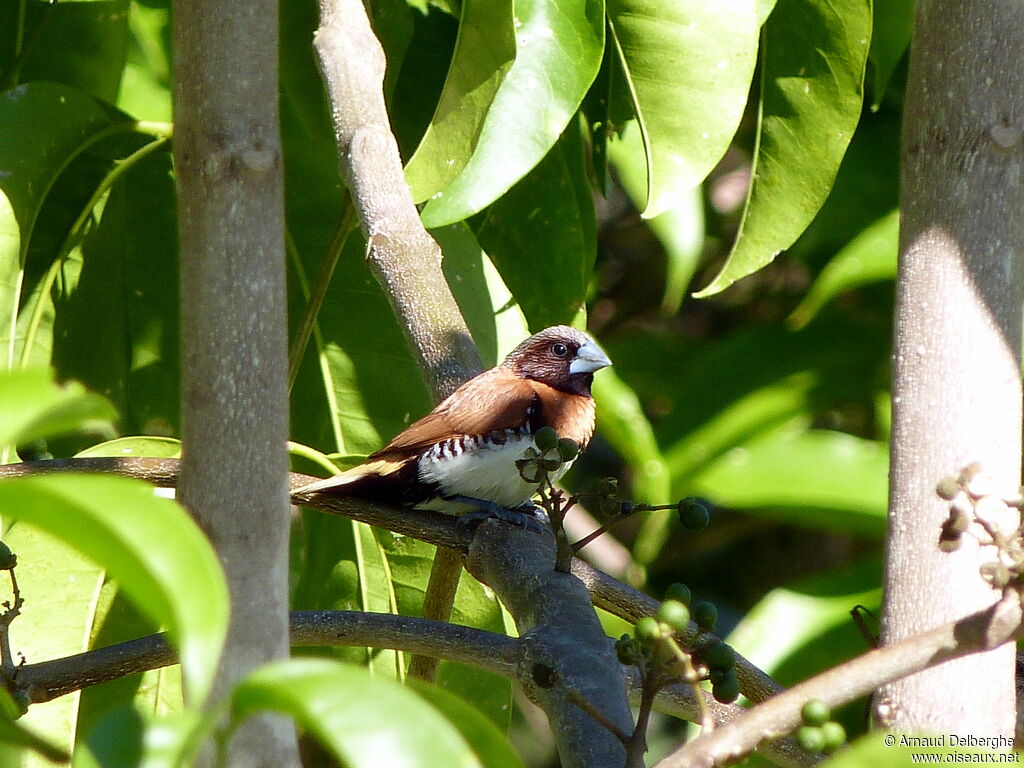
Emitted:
<point x="589" y="358"/>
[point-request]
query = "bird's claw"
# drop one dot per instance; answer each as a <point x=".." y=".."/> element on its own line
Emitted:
<point x="527" y="515"/>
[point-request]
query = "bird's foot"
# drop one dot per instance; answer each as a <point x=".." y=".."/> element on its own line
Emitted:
<point x="527" y="515"/>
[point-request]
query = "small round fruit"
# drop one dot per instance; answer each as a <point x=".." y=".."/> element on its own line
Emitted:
<point x="705" y="614"/>
<point x="648" y="629"/>
<point x="834" y="735"/>
<point x="693" y="514"/>
<point x="626" y="650"/>
<point x="726" y="690"/>
<point x="545" y="439"/>
<point x="7" y="558"/>
<point x="675" y="614"/>
<point x="719" y="656"/>
<point x="679" y="592"/>
<point x="568" y="448"/>
<point x="626" y="508"/>
<point x="810" y="738"/>
<point x="815" y="712"/>
<point x="608" y="486"/>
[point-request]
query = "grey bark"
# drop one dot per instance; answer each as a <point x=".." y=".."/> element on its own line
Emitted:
<point x="227" y="153"/>
<point x="956" y="369"/>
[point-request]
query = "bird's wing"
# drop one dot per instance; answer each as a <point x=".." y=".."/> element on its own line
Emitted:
<point x="494" y="400"/>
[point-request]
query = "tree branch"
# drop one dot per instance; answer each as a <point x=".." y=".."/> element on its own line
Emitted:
<point x="979" y="632"/>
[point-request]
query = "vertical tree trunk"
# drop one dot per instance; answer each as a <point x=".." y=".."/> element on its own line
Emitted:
<point x="234" y="346"/>
<point x="957" y="378"/>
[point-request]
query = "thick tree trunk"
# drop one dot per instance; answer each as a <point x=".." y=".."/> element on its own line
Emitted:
<point x="234" y="346"/>
<point x="957" y="383"/>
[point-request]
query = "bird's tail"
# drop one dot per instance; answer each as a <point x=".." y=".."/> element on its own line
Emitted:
<point x="354" y="482"/>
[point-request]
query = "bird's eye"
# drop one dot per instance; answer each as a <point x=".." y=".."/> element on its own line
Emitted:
<point x="559" y="350"/>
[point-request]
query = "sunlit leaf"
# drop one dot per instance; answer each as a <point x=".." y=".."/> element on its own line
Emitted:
<point x="816" y="478"/>
<point x="890" y="36"/>
<point x="868" y="258"/>
<point x="558" y="52"/>
<point x="812" y="78"/>
<point x="157" y="553"/>
<point x="688" y="66"/>
<point x="484" y="52"/>
<point x="329" y="700"/>
<point x="679" y="229"/>
<point x="33" y="406"/>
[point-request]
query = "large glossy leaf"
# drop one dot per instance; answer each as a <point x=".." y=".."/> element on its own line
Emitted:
<point x="687" y="66"/>
<point x="868" y="258"/>
<point x="803" y="628"/>
<point x="43" y="126"/>
<point x="541" y="236"/>
<point x="679" y="229"/>
<point x="32" y="406"/>
<point x="489" y="743"/>
<point x="558" y="53"/>
<point x="812" y="78"/>
<point x="156" y="552"/>
<point x="60" y="587"/>
<point x="81" y="44"/>
<point x="890" y="36"/>
<point x="145" y="92"/>
<point x="810" y="477"/>
<point x="362" y="720"/>
<point x="484" y="53"/>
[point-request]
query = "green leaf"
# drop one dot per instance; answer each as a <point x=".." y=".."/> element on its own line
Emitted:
<point x="893" y="21"/>
<point x="680" y="229"/>
<point x="688" y="66"/>
<point x="812" y="79"/>
<point x="32" y="406"/>
<point x="12" y="732"/>
<point x="145" y="91"/>
<point x="490" y="744"/>
<point x="484" y="53"/>
<point x="80" y="44"/>
<point x="361" y="720"/>
<point x="156" y="552"/>
<point x="801" y="629"/>
<point x="870" y="257"/>
<point x="541" y="236"/>
<point x="558" y="53"/>
<point x="137" y="445"/>
<point x="60" y="587"/>
<point x="43" y="126"/>
<point x="811" y="477"/>
<point x="622" y="422"/>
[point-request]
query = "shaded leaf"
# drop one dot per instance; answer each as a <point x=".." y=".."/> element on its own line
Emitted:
<point x="870" y="257"/>
<point x="157" y="553"/>
<point x="484" y="53"/>
<point x="688" y="66"/>
<point x="893" y="21"/>
<point x="558" y="47"/>
<point x="815" y="478"/>
<point x="541" y="236"/>
<point x="13" y="733"/>
<point x="32" y="406"/>
<point x="679" y="229"/>
<point x="812" y="77"/>
<point x="329" y="700"/>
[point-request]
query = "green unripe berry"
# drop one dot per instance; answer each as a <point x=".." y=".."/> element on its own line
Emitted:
<point x="550" y="464"/>
<point x="626" y="650"/>
<point x="568" y="448"/>
<point x="647" y="629"/>
<point x="679" y="592"/>
<point x="727" y="689"/>
<point x="948" y="488"/>
<point x="810" y="738"/>
<point x="719" y="656"/>
<point x="675" y="614"/>
<point x="693" y="514"/>
<point x="7" y="558"/>
<point x="545" y="439"/>
<point x="705" y="614"/>
<point x="815" y="712"/>
<point x="834" y="736"/>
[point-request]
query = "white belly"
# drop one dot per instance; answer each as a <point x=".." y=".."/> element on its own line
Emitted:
<point x="486" y="471"/>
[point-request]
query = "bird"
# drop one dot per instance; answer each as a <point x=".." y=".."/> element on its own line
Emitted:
<point x="461" y="457"/>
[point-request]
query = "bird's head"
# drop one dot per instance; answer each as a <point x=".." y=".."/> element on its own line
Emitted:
<point x="560" y="357"/>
